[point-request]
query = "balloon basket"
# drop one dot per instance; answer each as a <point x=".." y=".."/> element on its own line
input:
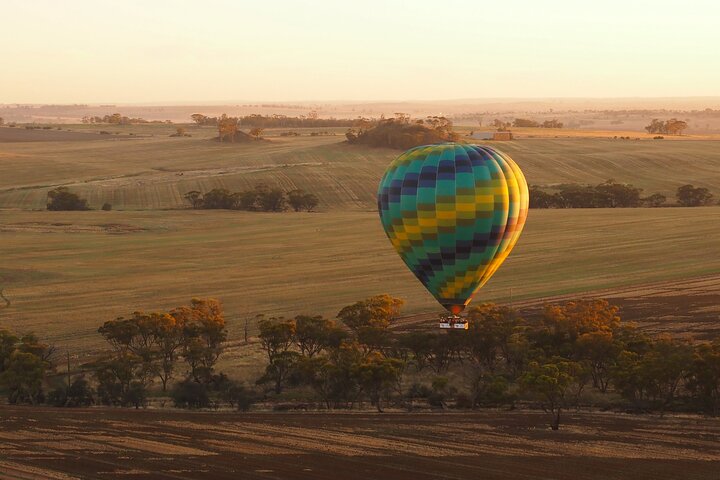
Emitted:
<point x="453" y="322"/>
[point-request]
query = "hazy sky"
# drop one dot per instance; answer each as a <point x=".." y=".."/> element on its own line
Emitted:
<point x="61" y="51"/>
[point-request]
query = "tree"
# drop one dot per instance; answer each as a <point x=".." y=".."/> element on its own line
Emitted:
<point x="115" y="374"/>
<point x="203" y="335"/>
<point x="377" y="374"/>
<point x="277" y="336"/>
<point x="219" y="198"/>
<point x="80" y="394"/>
<point x="600" y="350"/>
<point x="675" y="126"/>
<point x="190" y="394"/>
<point x="227" y="128"/>
<point x="377" y="311"/>
<point x="198" y="118"/>
<point x="554" y="123"/>
<point x="312" y="334"/>
<point x="704" y="379"/>
<point x="299" y="200"/>
<point x="541" y="199"/>
<point x="656" y="126"/>
<point x="562" y="325"/>
<point x="654" y="200"/>
<point x="552" y="383"/>
<point x="489" y="332"/>
<point x="22" y="377"/>
<point x="524" y="122"/>
<point x="279" y="369"/>
<point x="270" y="199"/>
<point x="690" y="196"/>
<point x="257" y="133"/>
<point x="195" y="198"/>
<point x="619" y="195"/>
<point x="61" y="198"/>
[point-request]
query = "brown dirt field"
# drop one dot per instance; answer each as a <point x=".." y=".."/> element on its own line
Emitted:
<point x="686" y="307"/>
<point x="45" y="443"/>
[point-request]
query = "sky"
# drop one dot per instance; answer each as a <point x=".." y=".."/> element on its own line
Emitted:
<point x="145" y="51"/>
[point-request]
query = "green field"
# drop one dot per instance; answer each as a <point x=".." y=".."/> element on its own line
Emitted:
<point x="154" y="171"/>
<point x="67" y="272"/>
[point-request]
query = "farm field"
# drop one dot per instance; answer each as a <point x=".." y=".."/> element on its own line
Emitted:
<point x="67" y="444"/>
<point x="152" y="171"/>
<point x="68" y="272"/>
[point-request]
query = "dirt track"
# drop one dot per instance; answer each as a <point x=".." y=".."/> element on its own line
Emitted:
<point x="45" y="443"/>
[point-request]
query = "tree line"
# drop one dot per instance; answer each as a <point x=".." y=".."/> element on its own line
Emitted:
<point x="611" y="194"/>
<point x="278" y="121"/>
<point x="672" y="126"/>
<point x="579" y="353"/>
<point x="118" y="119"/>
<point x="62" y="199"/>
<point x="262" y="198"/>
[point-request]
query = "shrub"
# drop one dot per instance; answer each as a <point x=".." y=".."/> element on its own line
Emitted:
<point x="190" y="394"/>
<point x="61" y="199"/>
<point x="106" y="207"/>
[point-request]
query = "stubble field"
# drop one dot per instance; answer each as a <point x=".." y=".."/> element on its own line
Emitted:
<point x="42" y="443"/>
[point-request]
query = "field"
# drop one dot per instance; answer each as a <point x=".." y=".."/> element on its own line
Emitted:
<point x="68" y="272"/>
<point x="40" y="443"/>
<point x="153" y="171"/>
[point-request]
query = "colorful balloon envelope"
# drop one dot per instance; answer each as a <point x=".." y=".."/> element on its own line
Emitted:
<point x="453" y="212"/>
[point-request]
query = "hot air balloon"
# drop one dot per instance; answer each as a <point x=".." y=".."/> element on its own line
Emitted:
<point x="453" y="212"/>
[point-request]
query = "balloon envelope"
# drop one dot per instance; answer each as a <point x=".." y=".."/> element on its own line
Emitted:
<point x="453" y="212"/>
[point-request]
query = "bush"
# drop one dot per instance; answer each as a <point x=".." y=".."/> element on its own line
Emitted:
<point x="80" y="394"/>
<point x="61" y="199"/>
<point x="190" y="394"/>
<point x="238" y="395"/>
<point x="106" y="207"/>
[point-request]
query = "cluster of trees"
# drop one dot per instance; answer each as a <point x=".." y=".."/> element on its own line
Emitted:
<point x="118" y="119"/>
<point x="605" y="195"/>
<point x="260" y="199"/>
<point x="62" y="199"/>
<point x="668" y="127"/>
<point x="579" y="353"/>
<point x="576" y="353"/>
<point x="279" y="121"/>
<point x="24" y="364"/>
<point x="691" y="196"/>
<point x="402" y="132"/>
<point x="613" y="195"/>
<point x="145" y="349"/>
<point x="524" y="122"/>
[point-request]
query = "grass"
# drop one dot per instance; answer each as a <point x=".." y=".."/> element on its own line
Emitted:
<point x="153" y="172"/>
<point x="68" y="272"/>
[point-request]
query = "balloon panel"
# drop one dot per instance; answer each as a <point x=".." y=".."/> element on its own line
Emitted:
<point x="453" y="212"/>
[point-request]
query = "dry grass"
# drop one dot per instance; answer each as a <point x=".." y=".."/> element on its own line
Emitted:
<point x="66" y="274"/>
<point x="153" y="172"/>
